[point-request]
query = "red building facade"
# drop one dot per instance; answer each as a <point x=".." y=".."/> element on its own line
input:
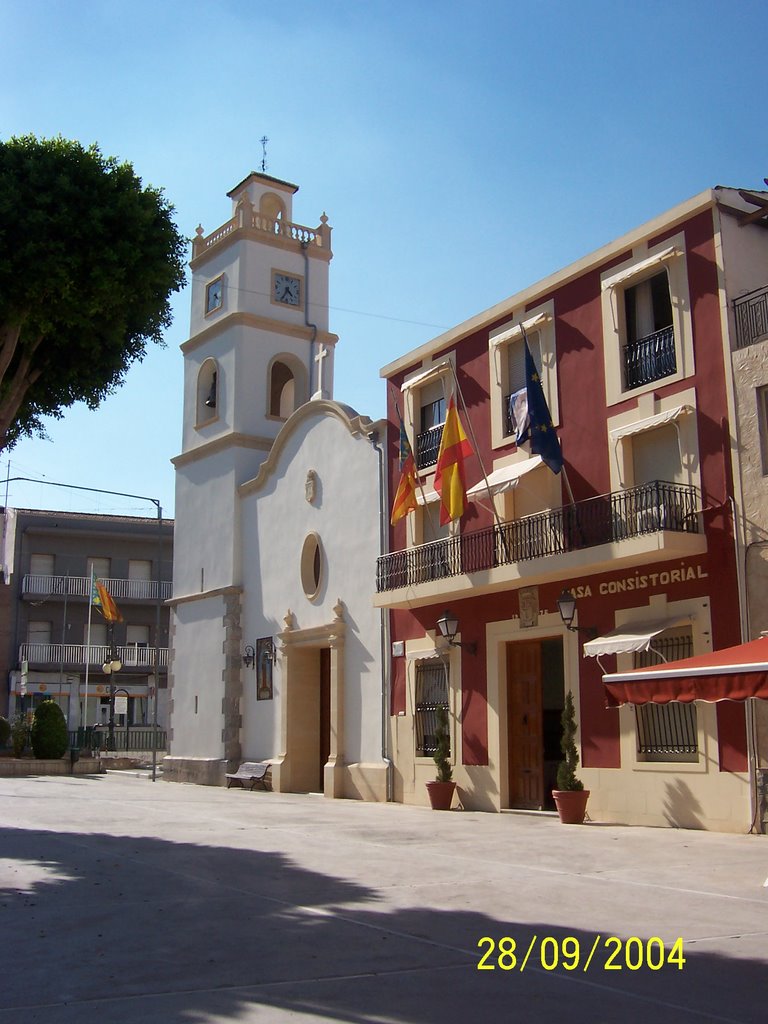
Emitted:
<point x="632" y="348"/>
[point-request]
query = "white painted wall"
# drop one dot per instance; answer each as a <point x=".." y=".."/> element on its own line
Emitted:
<point x="198" y="663"/>
<point x="276" y="518"/>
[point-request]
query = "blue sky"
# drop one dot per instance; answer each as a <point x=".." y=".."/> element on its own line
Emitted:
<point x="461" y="151"/>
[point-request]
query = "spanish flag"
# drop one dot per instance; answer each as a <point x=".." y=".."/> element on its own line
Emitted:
<point x="449" y="475"/>
<point x="103" y="600"/>
<point x="405" y="498"/>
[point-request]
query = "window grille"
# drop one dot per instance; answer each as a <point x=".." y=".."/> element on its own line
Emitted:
<point x="431" y="694"/>
<point x="667" y="732"/>
<point x="751" y="313"/>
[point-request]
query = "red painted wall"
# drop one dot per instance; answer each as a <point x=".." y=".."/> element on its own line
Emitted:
<point x="583" y="412"/>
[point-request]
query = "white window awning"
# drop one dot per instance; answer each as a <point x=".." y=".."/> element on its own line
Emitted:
<point x="512" y="333"/>
<point x="630" y="638"/>
<point x="424" y="375"/>
<point x="639" y="268"/>
<point x="505" y="478"/>
<point x="424" y="496"/>
<point x="417" y="656"/>
<point x="651" y="422"/>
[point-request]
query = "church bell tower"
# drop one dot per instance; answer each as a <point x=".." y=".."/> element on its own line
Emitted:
<point x="258" y="349"/>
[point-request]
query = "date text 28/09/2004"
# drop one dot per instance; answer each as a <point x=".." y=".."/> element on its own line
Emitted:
<point x="569" y="953"/>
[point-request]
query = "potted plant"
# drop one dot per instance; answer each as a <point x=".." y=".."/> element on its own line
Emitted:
<point x="570" y="796"/>
<point x="442" y="788"/>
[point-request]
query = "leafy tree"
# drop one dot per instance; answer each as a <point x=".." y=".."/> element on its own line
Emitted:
<point x="88" y="261"/>
<point x="49" y="734"/>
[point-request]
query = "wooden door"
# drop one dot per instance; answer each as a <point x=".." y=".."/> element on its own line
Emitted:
<point x="325" y="711"/>
<point x="525" y="745"/>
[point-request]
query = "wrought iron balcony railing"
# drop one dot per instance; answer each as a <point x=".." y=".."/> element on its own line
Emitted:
<point x="428" y="446"/>
<point x="601" y="520"/>
<point x="39" y="585"/>
<point x="751" y="312"/>
<point x="72" y="655"/>
<point x="650" y="358"/>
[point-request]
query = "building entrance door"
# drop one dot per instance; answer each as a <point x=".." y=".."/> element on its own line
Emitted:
<point x="325" y="712"/>
<point x="525" y="747"/>
<point x="535" y="697"/>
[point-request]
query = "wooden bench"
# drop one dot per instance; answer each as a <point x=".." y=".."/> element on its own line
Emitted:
<point x="254" y="772"/>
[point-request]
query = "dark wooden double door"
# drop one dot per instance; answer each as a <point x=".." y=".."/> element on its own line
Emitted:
<point x="534" y="705"/>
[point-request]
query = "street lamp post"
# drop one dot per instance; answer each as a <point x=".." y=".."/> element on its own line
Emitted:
<point x="110" y="666"/>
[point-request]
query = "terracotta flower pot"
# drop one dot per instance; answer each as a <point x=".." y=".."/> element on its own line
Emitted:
<point x="441" y="795"/>
<point x="571" y="805"/>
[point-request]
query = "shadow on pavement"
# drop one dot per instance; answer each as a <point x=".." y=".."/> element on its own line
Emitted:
<point x="119" y="929"/>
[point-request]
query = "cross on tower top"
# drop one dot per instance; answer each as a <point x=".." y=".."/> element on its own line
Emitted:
<point x="264" y="140"/>
<point x="322" y="353"/>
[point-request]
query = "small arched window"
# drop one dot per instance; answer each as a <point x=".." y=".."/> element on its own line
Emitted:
<point x="282" y="391"/>
<point x="271" y="206"/>
<point x="207" y="392"/>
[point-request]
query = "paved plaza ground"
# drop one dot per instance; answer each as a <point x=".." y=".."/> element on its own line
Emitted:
<point x="124" y="900"/>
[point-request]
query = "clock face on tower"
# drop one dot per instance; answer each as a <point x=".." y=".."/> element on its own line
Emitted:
<point x="286" y="289"/>
<point x="213" y="295"/>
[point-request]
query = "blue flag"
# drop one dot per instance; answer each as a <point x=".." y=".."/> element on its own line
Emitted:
<point x="534" y="423"/>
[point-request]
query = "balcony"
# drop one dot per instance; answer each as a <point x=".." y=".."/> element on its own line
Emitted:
<point x="39" y="586"/>
<point x="653" y="521"/>
<point x="428" y="447"/>
<point x="73" y="656"/>
<point x="249" y="219"/>
<point x="751" y="312"/>
<point x="650" y="358"/>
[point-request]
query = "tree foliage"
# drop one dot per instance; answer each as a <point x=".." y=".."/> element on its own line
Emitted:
<point x="88" y="261"/>
<point x="49" y="734"/>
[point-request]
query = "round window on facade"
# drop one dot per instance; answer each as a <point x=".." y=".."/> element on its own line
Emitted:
<point x="311" y="565"/>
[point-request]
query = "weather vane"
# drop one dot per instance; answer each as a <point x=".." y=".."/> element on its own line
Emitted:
<point x="264" y="140"/>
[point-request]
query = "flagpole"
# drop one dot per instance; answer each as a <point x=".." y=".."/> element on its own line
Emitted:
<point x="496" y="516"/>
<point x="88" y="652"/>
<point x="417" y="475"/>
<point x="562" y="463"/>
<point x="568" y="485"/>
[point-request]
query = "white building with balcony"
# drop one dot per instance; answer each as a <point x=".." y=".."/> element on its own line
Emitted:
<point x="53" y="644"/>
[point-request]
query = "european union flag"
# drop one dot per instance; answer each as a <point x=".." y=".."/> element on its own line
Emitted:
<point x="537" y="427"/>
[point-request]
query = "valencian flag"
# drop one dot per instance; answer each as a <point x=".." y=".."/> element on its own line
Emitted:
<point x="449" y="475"/>
<point x="532" y="419"/>
<point x="103" y="600"/>
<point x="405" y="498"/>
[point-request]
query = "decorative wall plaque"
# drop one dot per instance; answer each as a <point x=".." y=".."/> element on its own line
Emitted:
<point x="529" y="607"/>
<point x="310" y="486"/>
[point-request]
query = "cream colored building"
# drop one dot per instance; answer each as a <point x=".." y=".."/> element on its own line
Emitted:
<point x="744" y="219"/>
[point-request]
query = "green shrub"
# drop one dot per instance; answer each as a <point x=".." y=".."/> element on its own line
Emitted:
<point x="443" y="752"/>
<point x="19" y="735"/>
<point x="5" y="731"/>
<point x="49" y="730"/>
<point x="566" y="770"/>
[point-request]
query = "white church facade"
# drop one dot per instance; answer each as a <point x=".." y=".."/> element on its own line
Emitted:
<point x="275" y="643"/>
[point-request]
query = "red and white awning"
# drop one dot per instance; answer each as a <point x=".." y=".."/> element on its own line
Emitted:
<point x="733" y="673"/>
